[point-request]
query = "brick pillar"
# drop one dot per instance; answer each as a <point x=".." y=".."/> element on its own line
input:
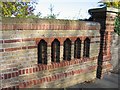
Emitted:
<point x="61" y="53"/>
<point x="48" y="55"/>
<point x="72" y="50"/>
<point x="82" y="47"/>
<point x="105" y="16"/>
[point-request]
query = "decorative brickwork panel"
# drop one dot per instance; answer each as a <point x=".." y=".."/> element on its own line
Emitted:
<point x="42" y="52"/>
<point x="77" y="48"/>
<point x="86" y="51"/>
<point x="55" y="48"/>
<point x="67" y="50"/>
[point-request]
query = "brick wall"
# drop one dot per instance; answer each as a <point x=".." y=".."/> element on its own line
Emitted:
<point x="19" y="53"/>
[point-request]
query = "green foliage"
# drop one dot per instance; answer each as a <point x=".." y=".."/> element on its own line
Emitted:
<point x="51" y="15"/>
<point x="17" y="9"/>
<point x="110" y="3"/>
<point x="114" y="4"/>
<point x="117" y="24"/>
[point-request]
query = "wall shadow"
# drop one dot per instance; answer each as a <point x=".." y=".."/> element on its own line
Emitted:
<point x="99" y="15"/>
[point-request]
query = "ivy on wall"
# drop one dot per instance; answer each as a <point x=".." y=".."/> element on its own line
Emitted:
<point x="114" y="4"/>
<point x="117" y="24"/>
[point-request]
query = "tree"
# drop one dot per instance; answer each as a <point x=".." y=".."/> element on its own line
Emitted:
<point x="111" y="3"/>
<point x="114" y="4"/>
<point x="18" y="9"/>
<point x="52" y="15"/>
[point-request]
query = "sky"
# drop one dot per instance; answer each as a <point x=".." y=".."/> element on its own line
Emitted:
<point x="67" y="9"/>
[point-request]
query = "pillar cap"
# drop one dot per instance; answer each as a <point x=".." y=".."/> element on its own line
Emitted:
<point x="103" y="9"/>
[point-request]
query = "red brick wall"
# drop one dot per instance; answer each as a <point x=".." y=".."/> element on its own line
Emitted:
<point x="19" y="62"/>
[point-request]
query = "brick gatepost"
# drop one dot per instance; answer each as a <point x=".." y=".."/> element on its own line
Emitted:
<point x="105" y="16"/>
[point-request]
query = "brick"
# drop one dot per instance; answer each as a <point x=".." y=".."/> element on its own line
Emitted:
<point x="65" y="63"/>
<point x="1" y="77"/>
<point x="50" y="79"/>
<point x="55" y="77"/>
<point x="17" y="74"/>
<point x="24" y="84"/>
<point x="50" y="66"/>
<point x="31" y="47"/>
<point x="13" y="74"/>
<point x="56" y="65"/>
<point x="44" y="67"/>
<point x="27" y="83"/>
<point x="65" y="74"/>
<point x="73" y="72"/>
<point x="35" y="82"/>
<point x="24" y="47"/>
<point x="34" y="69"/>
<point x="23" y="71"/>
<point x="15" y="69"/>
<point x="1" y="50"/>
<point x="40" y="81"/>
<point x="47" y="79"/>
<point x="21" y="85"/>
<point x="30" y="82"/>
<point x="53" y="66"/>
<point x="9" y="75"/>
<point x="5" y="76"/>
<point x="40" y="68"/>
<point x="20" y="72"/>
<point x="43" y="79"/>
<point x="37" y="69"/>
<point x="1" y="41"/>
<point x="12" y="49"/>
<point x="29" y="39"/>
<point x="26" y="71"/>
<point x="17" y="87"/>
<point x="12" y="41"/>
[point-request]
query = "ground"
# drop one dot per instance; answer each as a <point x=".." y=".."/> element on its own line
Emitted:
<point x="108" y="81"/>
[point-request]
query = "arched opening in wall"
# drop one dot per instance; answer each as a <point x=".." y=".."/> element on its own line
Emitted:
<point x="42" y="52"/>
<point x="77" y="48"/>
<point x="55" y="51"/>
<point x="86" y="50"/>
<point x="67" y="50"/>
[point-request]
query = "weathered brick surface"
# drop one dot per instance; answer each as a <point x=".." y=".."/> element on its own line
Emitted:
<point x="19" y="62"/>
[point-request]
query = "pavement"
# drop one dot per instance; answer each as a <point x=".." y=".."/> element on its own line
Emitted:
<point x="108" y="81"/>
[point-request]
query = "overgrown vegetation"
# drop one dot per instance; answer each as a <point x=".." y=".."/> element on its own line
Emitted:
<point x="52" y="15"/>
<point x="24" y="9"/>
<point x="114" y="4"/>
<point x="117" y="24"/>
<point x="18" y="9"/>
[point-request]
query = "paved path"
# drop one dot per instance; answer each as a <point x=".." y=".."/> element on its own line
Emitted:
<point x="108" y="81"/>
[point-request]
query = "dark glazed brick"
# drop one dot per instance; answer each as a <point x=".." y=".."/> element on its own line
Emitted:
<point x="1" y="50"/>
<point x="5" y="76"/>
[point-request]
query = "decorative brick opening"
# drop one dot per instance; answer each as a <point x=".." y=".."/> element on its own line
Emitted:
<point x="55" y="51"/>
<point x="77" y="48"/>
<point x="86" y="50"/>
<point x="67" y="50"/>
<point x="42" y="52"/>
